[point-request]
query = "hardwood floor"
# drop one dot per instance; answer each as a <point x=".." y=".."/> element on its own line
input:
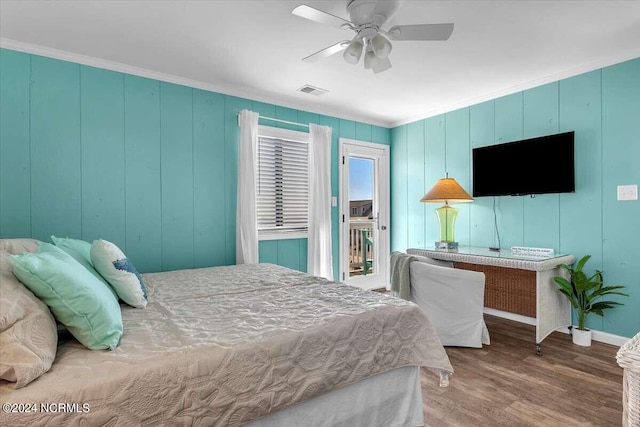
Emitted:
<point x="506" y="384"/>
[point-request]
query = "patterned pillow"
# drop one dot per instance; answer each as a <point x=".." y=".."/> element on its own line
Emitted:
<point x="114" y="266"/>
<point x="28" y="336"/>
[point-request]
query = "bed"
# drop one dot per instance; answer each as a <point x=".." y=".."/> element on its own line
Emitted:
<point x="257" y="345"/>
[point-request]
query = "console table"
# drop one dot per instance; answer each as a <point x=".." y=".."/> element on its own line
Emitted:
<point x="516" y="284"/>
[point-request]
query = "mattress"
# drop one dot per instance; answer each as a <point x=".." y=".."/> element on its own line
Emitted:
<point x="229" y="345"/>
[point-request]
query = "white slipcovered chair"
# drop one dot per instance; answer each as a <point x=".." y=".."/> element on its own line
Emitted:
<point x="453" y="299"/>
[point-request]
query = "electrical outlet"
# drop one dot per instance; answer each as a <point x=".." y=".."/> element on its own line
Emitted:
<point x="628" y="192"/>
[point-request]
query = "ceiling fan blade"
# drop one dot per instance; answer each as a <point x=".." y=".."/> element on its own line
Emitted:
<point x="317" y="15"/>
<point x="383" y="65"/>
<point x="326" y="52"/>
<point x="435" y="32"/>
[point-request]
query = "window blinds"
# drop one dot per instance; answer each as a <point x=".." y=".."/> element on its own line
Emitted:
<point x="283" y="185"/>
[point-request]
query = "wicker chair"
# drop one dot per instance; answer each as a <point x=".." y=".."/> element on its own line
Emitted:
<point x="629" y="359"/>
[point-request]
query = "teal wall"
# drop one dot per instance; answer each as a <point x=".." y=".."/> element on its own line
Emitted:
<point x="603" y="107"/>
<point x="151" y="166"/>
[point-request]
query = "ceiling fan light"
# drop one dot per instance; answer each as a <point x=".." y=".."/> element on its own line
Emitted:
<point x="371" y="61"/>
<point x="353" y="52"/>
<point x="381" y="46"/>
<point x="383" y="65"/>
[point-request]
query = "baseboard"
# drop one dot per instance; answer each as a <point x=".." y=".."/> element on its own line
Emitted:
<point x="511" y="316"/>
<point x="599" y="336"/>
<point x="608" y="338"/>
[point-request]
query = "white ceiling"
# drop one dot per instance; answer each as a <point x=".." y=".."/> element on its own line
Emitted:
<point x="253" y="49"/>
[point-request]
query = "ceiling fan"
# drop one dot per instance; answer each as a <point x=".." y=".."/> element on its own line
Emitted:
<point x="367" y="19"/>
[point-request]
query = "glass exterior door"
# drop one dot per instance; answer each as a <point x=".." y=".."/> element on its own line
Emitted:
<point x="362" y="216"/>
<point x="364" y="210"/>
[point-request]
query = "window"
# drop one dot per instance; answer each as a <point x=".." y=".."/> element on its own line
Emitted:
<point x="282" y="183"/>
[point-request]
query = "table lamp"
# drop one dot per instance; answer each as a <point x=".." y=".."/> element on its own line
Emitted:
<point x="446" y="191"/>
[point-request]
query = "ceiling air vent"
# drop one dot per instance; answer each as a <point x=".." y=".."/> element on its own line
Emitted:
<point x="312" y="90"/>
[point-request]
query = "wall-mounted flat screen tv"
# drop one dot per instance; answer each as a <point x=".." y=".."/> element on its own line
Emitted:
<point x="531" y="166"/>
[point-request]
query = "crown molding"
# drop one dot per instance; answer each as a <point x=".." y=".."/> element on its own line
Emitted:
<point x="102" y="63"/>
<point x="254" y="96"/>
<point x="170" y="78"/>
<point x="571" y="72"/>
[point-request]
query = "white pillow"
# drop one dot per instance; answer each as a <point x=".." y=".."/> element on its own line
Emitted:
<point x="123" y="277"/>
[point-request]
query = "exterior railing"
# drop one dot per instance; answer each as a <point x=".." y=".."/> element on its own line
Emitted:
<point x="360" y="252"/>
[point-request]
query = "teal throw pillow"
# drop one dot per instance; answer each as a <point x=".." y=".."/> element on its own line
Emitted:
<point x="75" y="297"/>
<point x="78" y="249"/>
<point x="81" y="252"/>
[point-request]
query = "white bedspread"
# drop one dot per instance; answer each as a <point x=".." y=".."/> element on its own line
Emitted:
<point x="227" y="345"/>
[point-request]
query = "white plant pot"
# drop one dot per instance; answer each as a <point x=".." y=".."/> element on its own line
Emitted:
<point x="580" y="337"/>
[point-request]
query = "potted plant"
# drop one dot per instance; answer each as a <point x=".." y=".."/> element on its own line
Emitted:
<point x="584" y="293"/>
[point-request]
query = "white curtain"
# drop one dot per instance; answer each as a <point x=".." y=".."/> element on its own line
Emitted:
<point x="319" y="251"/>
<point x="246" y="221"/>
